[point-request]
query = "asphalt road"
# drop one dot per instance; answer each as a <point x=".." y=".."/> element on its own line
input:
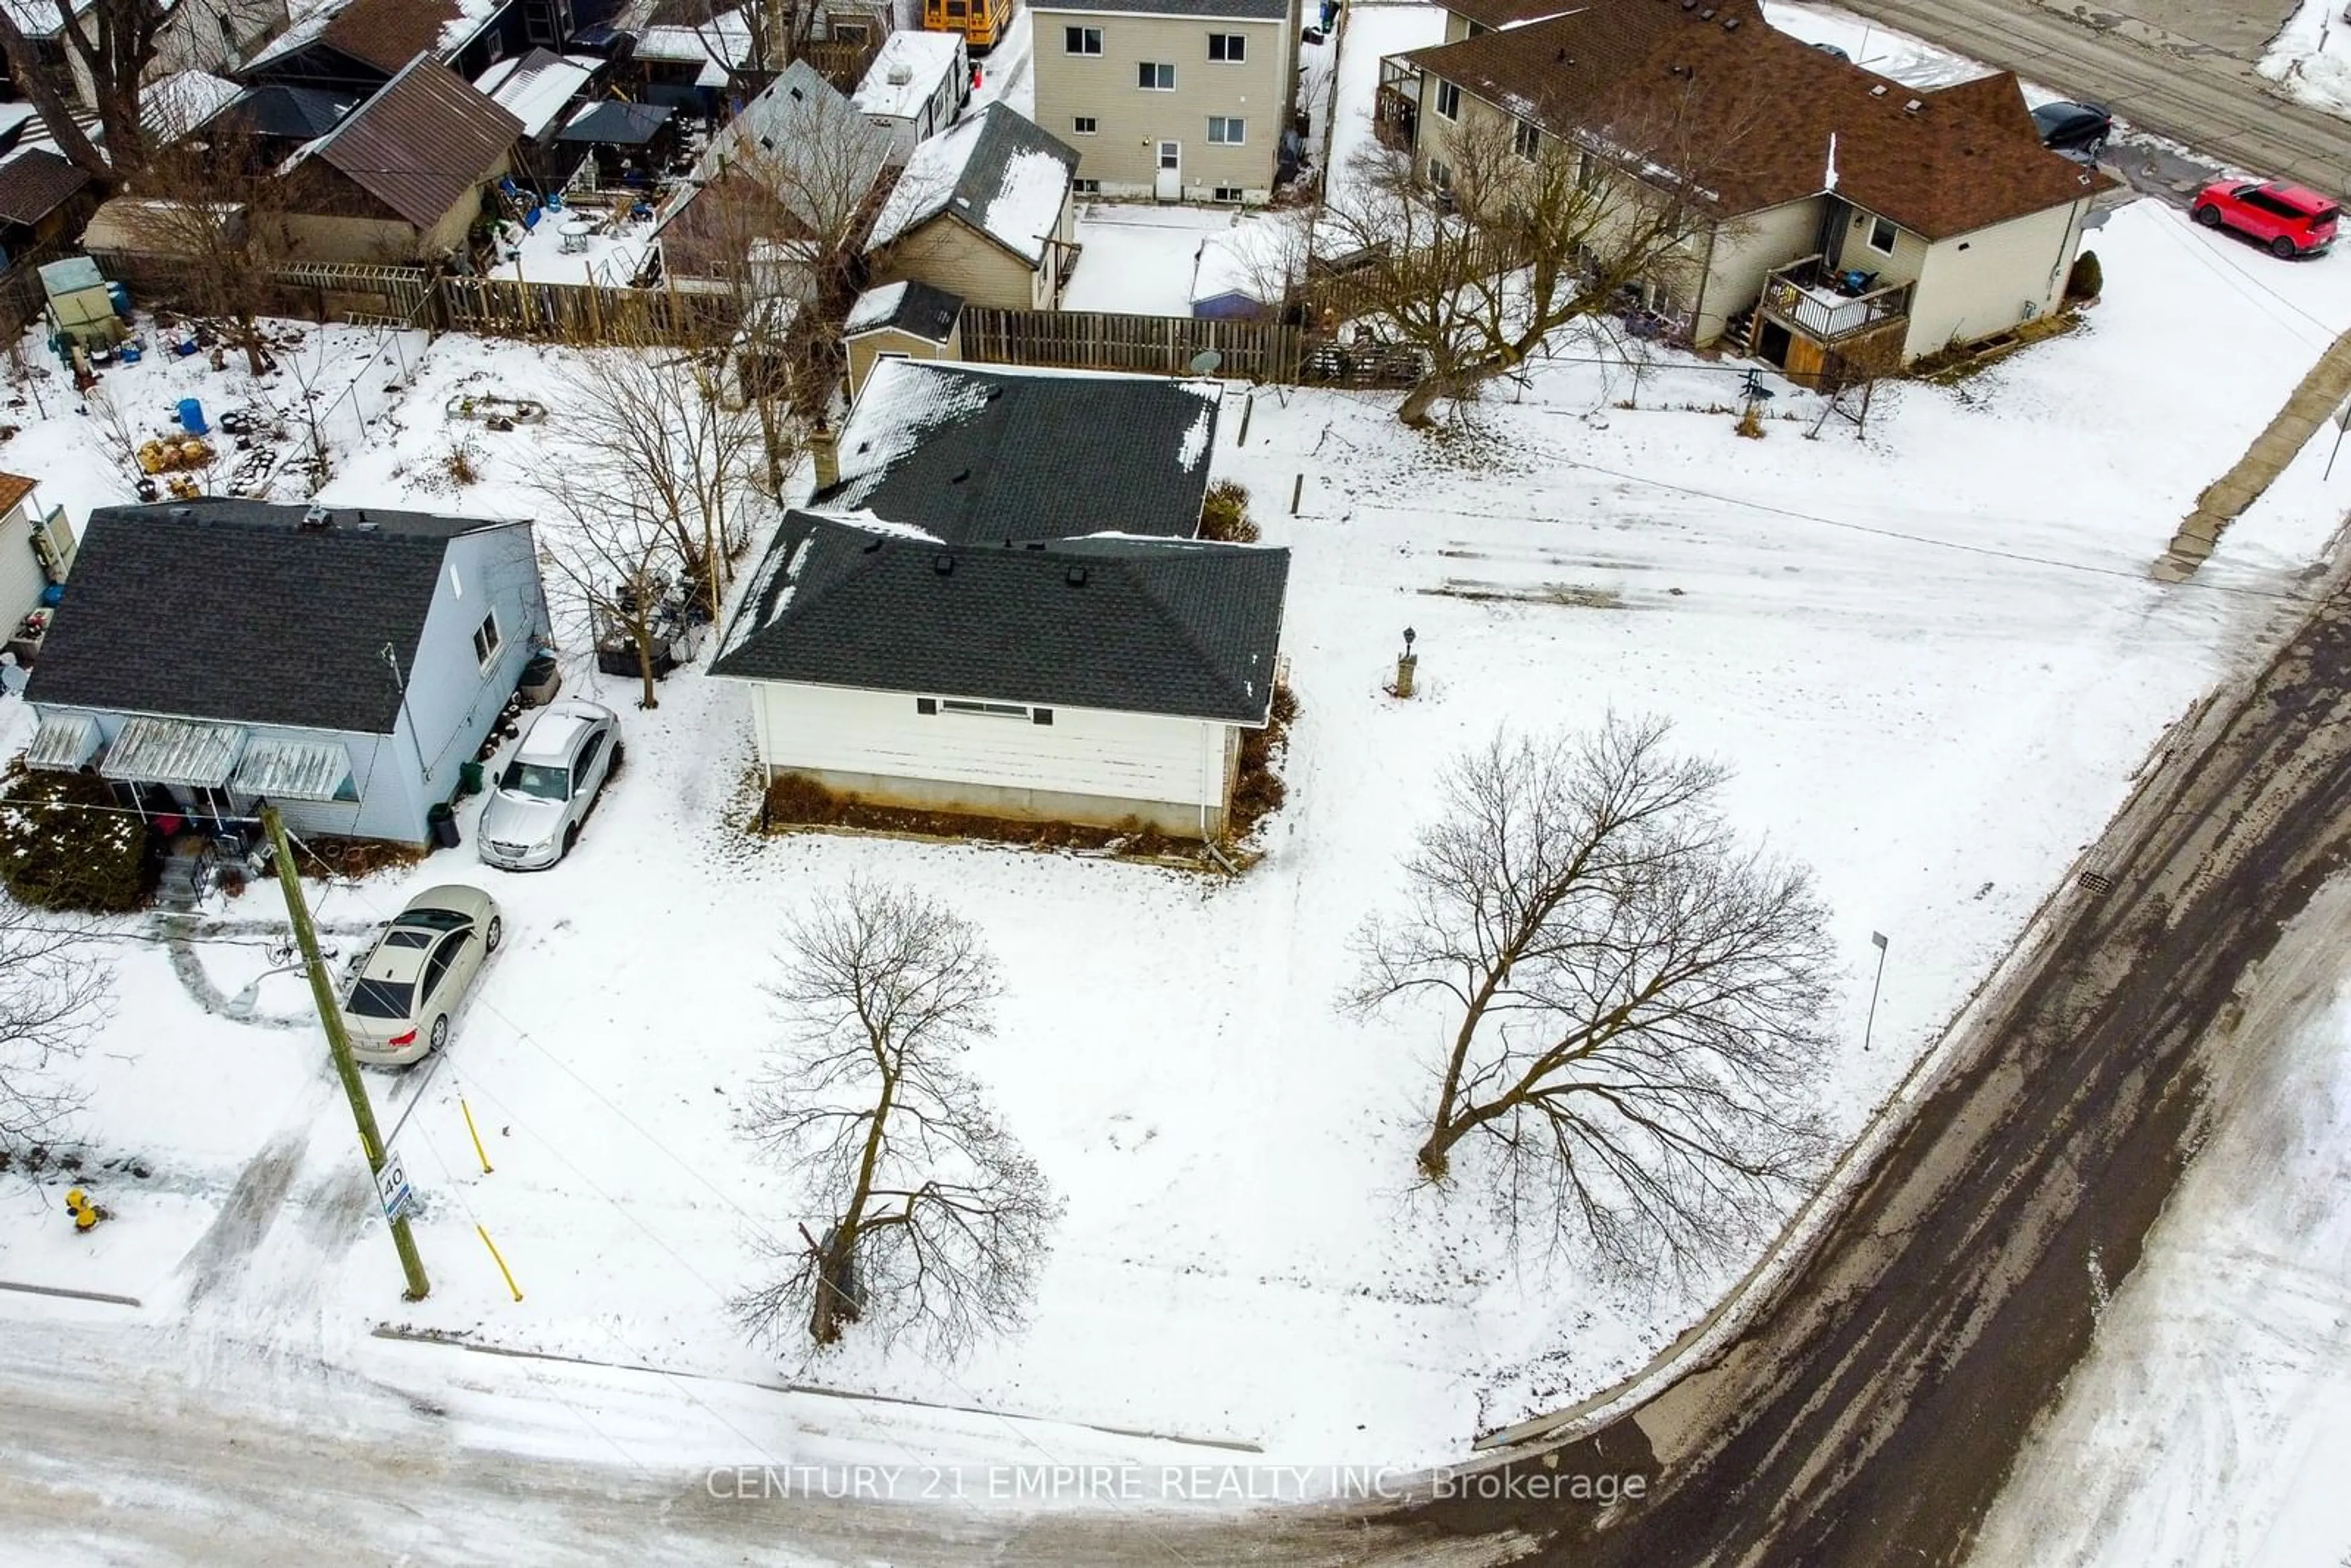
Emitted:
<point x="2156" y="75"/>
<point x="1872" y="1408"/>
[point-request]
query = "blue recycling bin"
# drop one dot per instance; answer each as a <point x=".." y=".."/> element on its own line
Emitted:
<point x="119" y="298"/>
<point x="192" y="417"/>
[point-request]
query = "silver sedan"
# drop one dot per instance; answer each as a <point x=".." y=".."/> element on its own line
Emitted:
<point x="405" y="989"/>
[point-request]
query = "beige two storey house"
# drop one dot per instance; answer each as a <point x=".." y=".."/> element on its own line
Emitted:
<point x="1848" y="222"/>
<point x="1170" y="99"/>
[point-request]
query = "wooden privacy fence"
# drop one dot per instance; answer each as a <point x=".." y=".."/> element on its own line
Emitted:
<point x="1155" y="345"/>
<point x="1172" y="345"/>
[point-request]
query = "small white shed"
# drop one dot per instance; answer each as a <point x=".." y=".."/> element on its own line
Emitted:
<point x="917" y="85"/>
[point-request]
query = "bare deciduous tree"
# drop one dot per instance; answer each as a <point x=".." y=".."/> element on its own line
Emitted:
<point x="1633" y="1001"/>
<point x="1529" y="234"/>
<point x="654" y="433"/>
<point x="615" y="558"/>
<point x="115" y="41"/>
<point x="212" y="207"/>
<point x="52" y="995"/>
<point x="935" y="1222"/>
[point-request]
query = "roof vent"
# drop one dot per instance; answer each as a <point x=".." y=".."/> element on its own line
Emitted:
<point x="1730" y="23"/>
<point x="1912" y="107"/>
<point x="960" y="477"/>
<point x="1877" y="92"/>
<point x="180" y="512"/>
<point x="366" y="524"/>
<point x="317" y="518"/>
<point x="943" y="564"/>
<point x="995" y="393"/>
<point x="1075" y="577"/>
<point x="1706" y="14"/>
<point x="900" y="76"/>
<point x="795" y="95"/>
<point x="1689" y="5"/>
<point x="873" y="546"/>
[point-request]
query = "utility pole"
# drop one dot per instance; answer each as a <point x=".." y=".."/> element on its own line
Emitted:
<point x="339" y="1042"/>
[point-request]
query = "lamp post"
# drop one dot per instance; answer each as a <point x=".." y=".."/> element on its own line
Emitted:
<point x="1407" y="663"/>
<point x="1878" y="937"/>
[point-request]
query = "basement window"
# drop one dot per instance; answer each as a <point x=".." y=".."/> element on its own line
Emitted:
<point x="986" y="710"/>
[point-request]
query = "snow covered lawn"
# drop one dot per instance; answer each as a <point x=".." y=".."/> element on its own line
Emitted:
<point x="2310" y="58"/>
<point x="1933" y="656"/>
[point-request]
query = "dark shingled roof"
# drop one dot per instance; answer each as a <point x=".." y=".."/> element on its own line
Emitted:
<point x="226" y="610"/>
<point x="974" y="454"/>
<point x="615" y="123"/>
<point x="921" y="311"/>
<point x="423" y="144"/>
<point x="1937" y="162"/>
<point x="1238" y="10"/>
<point x="1185" y="627"/>
<point x="294" y="113"/>
<point x="34" y="184"/>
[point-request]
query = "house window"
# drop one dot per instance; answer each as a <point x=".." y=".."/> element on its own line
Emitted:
<point x="1081" y="40"/>
<point x="1086" y="187"/>
<point x="1448" y="101"/>
<point x="954" y="9"/>
<point x="1439" y="174"/>
<point x="850" y="33"/>
<point x="1224" y="131"/>
<point x="1084" y="125"/>
<point x="1154" y="78"/>
<point x="1228" y="49"/>
<point x="1589" y="171"/>
<point x="1040" y="715"/>
<point x="487" y="639"/>
<point x="1881" y="235"/>
<point x="1525" y="140"/>
<point x="989" y="710"/>
<point x="1224" y="193"/>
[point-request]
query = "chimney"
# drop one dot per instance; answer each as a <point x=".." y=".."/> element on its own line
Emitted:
<point x="824" y="448"/>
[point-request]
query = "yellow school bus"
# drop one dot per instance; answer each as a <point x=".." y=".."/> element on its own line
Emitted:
<point x="981" y="22"/>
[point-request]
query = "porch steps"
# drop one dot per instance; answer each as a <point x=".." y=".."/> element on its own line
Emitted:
<point x="186" y="875"/>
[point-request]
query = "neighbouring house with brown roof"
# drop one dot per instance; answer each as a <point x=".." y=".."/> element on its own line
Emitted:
<point x="362" y="44"/>
<point x="41" y="198"/>
<point x="1849" y="220"/>
<point x="400" y="178"/>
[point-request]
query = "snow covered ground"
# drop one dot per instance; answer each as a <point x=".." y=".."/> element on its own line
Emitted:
<point x="1932" y="655"/>
<point x="1139" y="257"/>
<point x="2211" y="1421"/>
<point x="2310" y="58"/>
<point x="1931" y="652"/>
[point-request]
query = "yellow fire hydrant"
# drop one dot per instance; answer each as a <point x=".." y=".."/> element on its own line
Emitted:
<point x="85" y="1213"/>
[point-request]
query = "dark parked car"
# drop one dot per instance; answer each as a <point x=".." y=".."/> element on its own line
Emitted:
<point x="2073" y="127"/>
<point x="2288" y="219"/>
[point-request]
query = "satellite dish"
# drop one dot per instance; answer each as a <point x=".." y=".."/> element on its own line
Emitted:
<point x="1205" y="361"/>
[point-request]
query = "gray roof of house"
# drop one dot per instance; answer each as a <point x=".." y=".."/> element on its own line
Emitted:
<point x="1164" y="626"/>
<point x="227" y="610"/>
<point x="276" y="109"/>
<point x="36" y="183"/>
<point x="973" y="454"/>
<point x="912" y="307"/>
<point x="1239" y="10"/>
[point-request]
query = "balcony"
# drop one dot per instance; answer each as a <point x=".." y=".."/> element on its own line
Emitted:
<point x="1395" y="108"/>
<point x="1828" y="306"/>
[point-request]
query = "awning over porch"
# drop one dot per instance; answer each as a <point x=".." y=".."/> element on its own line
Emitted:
<point x="296" y="770"/>
<point x="64" y="743"/>
<point x="181" y="751"/>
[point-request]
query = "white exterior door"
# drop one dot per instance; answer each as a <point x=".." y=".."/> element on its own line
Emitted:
<point x="1169" y="186"/>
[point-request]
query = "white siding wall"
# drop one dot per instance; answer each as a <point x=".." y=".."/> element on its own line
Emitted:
<point x="1087" y="764"/>
<point x="451" y="699"/>
<point x="21" y="577"/>
<point x="1974" y="285"/>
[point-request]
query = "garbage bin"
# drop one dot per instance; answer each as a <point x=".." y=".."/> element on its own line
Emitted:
<point x="540" y="680"/>
<point x="441" y="817"/>
<point x="469" y="778"/>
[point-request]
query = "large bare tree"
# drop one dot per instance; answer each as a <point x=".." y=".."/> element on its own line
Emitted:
<point x="613" y="556"/>
<point x="212" y="207"/>
<point x="1508" y="234"/>
<point x="931" y="1219"/>
<point x="115" y="41"/>
<point x="52" y="994"/>
<point x="1632" y="1000"/>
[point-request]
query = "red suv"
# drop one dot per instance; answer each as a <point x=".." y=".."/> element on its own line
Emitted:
<point x="2288" y="219"/>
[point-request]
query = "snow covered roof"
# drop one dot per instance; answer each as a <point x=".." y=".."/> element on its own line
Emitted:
<point x="1001" y="173"/>
<point x="975" y="453"/>
<point x="385" y="34"/>
<point x="1234" y="10"/>
<point x="1131" y="625"/>
<point x="917" y="309"/>
<point x="295" y="770"/>
<point x="906" y="72"/>
<point x="724" y="40"/>
<point x="172" y="106"/>
<point x="535" y="87"/>
<point x="192" y="755"/>
<point x="1252" y="258"/>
